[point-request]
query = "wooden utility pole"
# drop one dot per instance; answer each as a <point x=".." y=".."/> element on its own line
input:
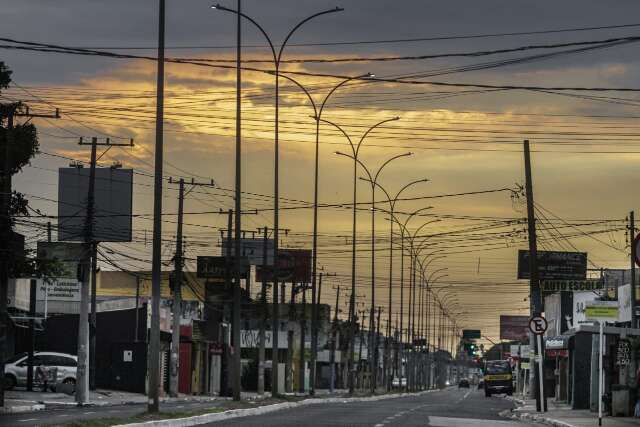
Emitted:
<point x="263" y="315"/>
<point x="90" y="263"/>
<point x="334" y="333"/>
<point x="534" y="281"/>
<point x="177" y="299"/>
<point x="632" y="236"/>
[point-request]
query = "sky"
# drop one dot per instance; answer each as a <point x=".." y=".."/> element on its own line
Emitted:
<point x="463" y="139"/>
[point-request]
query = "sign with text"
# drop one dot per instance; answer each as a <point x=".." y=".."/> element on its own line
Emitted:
<point x="553" y="265"/>
<point x="215" y="267"/>
<point x="572" y="285"/>
<point x="252" y="249"/>
<point x="294" y="266"/>
<point x="514" y="328"/>
<point x="602" y="311"/>
<point x="58" y="290"/>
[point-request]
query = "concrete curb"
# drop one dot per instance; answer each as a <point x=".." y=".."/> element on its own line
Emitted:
<point x="536" y="418"/>
<point x="236" y="413"/>
<point x="21" y="409"/>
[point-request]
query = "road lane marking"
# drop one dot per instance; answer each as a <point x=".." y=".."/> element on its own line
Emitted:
<point x="89" y="412"/>
<point x="27" y="420"/>
<point x="467" y="394"/>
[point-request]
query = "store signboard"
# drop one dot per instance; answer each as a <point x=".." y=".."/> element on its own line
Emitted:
<point x="514" y="328"/>
<point x="580" y="302"/>
<point x="554" y="265"/>
<point x="602" y="311"/>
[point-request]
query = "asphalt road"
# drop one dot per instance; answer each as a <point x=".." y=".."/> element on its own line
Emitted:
<point x="448" y="408"/>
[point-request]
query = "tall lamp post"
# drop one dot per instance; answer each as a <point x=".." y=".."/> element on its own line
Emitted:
<point x="355" y="148"/>
<point x="277" y="58"/>
<point x="392" y="205"/>
<point x="317" y="115"/>
<point x="373" y="181"/>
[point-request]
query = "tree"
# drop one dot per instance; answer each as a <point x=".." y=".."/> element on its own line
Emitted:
<point x="18" y="145"/>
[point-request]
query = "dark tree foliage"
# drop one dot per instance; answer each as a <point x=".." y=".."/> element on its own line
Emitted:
<point x="21" y="144"/>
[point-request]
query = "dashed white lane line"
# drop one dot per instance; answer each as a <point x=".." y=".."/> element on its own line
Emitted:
<point x="89" y="412"/>
<point x="467" y="394"/>
<point x="27" y="420"/>
<point x="63" y="415"/>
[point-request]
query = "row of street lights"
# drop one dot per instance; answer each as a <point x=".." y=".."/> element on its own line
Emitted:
<point x="372" y="179"/>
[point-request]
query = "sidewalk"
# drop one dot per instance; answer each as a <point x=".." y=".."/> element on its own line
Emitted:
<point x="28" y="401"/>
<point x="563" y="416"/>
<point x="17" y="401"/>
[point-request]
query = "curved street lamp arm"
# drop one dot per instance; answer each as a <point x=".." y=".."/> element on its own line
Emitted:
<point x="258" y="26"/>
<point x="300" y="24"/>
<point x="395" y="199"/>
<point x="338" y="86"/>
<point x="414" y="213"/>
<point x="355" y="159"/>
<point x="304" y="89"/>
<point x="341" y="130"/>
<point x="371" y="129"/>
<point x="375" y="178"/>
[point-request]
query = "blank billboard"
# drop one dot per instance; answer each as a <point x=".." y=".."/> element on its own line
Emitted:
<point x="113" y="203"/>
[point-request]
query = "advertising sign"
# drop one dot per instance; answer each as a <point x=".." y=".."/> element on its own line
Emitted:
<point x="471" y="334"/>
<point x="58" y="290"/>
<point x="514" y="328"/>
<point x="68" y="255"/>
<point x="250" y="338"/>
<point x="624" y="303"/>
<point x="215" y="267"/>
<point x="580" y="302"/>
<point x="553" y="265"/>
<point x="572" y="285"/>
<point x="252" y="249"/>
<point x="294" y="266"/>
<point x="602" y="311"/>
<point x="113" y="197"/>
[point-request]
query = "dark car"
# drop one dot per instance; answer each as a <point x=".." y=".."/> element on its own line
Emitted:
<point x="463" y="383"/>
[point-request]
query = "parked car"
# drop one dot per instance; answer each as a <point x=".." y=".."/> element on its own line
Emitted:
<point x="463" y="383"/>
<point x="15" y="368"/>
<point x="399" y="382"/>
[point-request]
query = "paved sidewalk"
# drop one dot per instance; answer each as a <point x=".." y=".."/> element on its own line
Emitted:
<point x="24" y="401"/>
<point x="562" y="415"/>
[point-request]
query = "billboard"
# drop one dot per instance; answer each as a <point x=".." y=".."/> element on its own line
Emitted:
<point x="253" y="249"/>
<point x="67" y="254"/>
<point x="294" y="266"/>
<point x="554" y="265"/>
<point x="113" y="202"/>
<point x="580" y="302"/>
<point x="515" y="328"/>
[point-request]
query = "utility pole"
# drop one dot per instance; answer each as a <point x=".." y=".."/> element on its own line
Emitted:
<point x="32" y="332"/>
<point x="303" y="327"/>
<point x="263" y="322"/>
<point x="375" y="351"/>
<point x="90" y="263"/>
<point x="177" y="299"/>
<point x="156" y="262"/>
<point x="315" y="297"/>
<point x="632" y="236"/>
<point x="534" y="282"/>
<point x="334" y="333"/>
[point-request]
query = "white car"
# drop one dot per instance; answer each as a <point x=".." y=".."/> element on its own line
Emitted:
<point x="15" y="368"/>
<point x="399" y="382"/>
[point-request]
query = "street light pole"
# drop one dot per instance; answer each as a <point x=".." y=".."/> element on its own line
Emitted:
<point x="317" y="114"/>
<point x="392" y="205"/>
<point x="356" y="150"/>
<point x="277" y="57"/>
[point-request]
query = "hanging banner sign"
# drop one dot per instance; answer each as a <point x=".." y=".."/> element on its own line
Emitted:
<point x="572" y="285"/>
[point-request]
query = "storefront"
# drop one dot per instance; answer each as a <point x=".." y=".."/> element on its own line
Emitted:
<point x="557" y="360"/>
